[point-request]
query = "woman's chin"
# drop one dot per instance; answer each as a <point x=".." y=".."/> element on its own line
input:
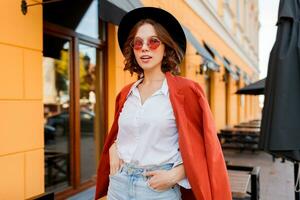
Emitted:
<point x="147" y="66"/>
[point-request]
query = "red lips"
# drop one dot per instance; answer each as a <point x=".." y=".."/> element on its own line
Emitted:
<point x="145" y="58"/>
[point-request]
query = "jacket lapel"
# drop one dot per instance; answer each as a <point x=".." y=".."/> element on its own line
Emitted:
<point x="123" y="97"/>
<point x="177" y="99"/>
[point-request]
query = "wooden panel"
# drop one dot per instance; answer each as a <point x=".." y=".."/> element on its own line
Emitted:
<point x="33" y="77"/>
<point x="239" y="182"/>
<point x="11" y="72"/>
<point x="11" y="23"/>
<point x="12" y="177"/>
<point x="21" y="126"/>
<point x="18" y="29"/>
<point x="34" y="173"/>
<point x="33" y="27"/>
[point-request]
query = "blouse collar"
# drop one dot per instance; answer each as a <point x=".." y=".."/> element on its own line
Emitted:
<point x="163" y="90"/>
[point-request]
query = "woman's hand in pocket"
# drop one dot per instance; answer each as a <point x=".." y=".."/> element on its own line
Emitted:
<point x="114" y="160"/>
<point x="160" y="180"/>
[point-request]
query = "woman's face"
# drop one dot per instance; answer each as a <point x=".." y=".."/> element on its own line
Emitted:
<point x="148" y="50"/>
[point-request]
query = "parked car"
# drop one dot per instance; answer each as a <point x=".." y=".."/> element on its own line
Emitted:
<point x="49" y="132"/>
<point x="61" y="122"/>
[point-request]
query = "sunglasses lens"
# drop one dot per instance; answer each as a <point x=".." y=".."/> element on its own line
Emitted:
<point x="153" y="43"/>
<point x="137" y="44"/>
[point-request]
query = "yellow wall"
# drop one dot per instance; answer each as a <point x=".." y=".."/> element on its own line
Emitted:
<point x="233" y="103"/>
<point x="219" y="105"/>
<point x="117" y="78"/>
<point x="21" y="107"/>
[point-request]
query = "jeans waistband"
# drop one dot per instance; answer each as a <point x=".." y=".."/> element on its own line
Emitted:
<point x="132" y="169"/>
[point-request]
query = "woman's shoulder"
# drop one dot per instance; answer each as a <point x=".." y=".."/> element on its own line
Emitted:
<point x="126" y="88"/>
<point x="189" y="85"/>
<point x="185" y="81"/>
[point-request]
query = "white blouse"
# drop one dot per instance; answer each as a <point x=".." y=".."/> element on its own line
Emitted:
<point x="147" y="133"/>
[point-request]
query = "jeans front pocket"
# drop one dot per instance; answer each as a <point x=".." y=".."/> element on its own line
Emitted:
<point x="118" y="172"/>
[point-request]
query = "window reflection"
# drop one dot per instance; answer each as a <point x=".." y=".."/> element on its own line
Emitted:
<point x="56" y="113"/>
<point x="88" y="100"/>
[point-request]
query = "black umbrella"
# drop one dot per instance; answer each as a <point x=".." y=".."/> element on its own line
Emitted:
<point x="280" y="127"/>
<point x="256" y="88"/>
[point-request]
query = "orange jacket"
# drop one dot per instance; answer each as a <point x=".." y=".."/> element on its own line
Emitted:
<point x="198" y="142"/>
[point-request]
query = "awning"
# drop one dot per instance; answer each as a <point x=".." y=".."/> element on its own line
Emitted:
<point x="113" y="10"/>
<point x="255" y="88"/>
<point x="242" y="74"/>
<point x="201" y="50"/>
<point x="65" y="13"/>
<point x="226" y="65"/>
<point x="239" y="72"/>
<point x="246" y="78"/>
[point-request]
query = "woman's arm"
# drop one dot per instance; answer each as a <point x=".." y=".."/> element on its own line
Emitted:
<point x="177" y="173"/>
<point x="114" y="160"/>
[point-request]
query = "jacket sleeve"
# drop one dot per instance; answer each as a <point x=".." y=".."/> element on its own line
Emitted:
<point x="218" y="176"/>
<point x="111" y="137"/>
<point x="103" y="167"/>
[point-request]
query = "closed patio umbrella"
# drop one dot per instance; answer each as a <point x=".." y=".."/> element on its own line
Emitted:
<point x="256" y="88"/>
<point x="280" y="126"/>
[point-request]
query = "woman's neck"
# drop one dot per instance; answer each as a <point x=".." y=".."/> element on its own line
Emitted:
<point x="153" y="77"/>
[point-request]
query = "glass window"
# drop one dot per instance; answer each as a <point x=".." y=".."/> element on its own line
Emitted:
<point x="56" y="100"/>
<point x="89" y="23"/>
<point x="227" y="19"/>
<point x="214" y="4"/>
<point x="238" y="10"/>
<point x="87" y="63"/>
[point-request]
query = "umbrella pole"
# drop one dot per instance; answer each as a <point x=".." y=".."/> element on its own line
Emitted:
<point x="296" y="178"/>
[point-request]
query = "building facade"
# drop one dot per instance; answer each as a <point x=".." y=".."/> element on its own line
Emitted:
<point x="61" y="68"/>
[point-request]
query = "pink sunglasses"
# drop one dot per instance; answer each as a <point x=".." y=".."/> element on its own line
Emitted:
<point x="152" y="42"/>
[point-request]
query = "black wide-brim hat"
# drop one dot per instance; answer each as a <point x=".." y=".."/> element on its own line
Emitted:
<point x="167" y="20"/>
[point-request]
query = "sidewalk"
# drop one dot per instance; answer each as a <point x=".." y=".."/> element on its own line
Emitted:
<point x="276" y="178"/>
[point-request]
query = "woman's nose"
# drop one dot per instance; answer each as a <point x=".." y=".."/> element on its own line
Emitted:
<point x="145" y="47"/>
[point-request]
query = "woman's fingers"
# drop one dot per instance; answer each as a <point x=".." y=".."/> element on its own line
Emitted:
<point x="114" y="169"/>
<point x="152" y="173"/>
<point x="121" y="162"/>
<point x="114" y="160"/>
<point x="159" y="180"/>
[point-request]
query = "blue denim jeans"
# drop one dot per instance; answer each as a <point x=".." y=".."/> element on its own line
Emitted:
<point x="130" y="183"/>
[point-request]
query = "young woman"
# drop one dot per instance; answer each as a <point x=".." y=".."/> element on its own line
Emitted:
<point x="163" y="142"/>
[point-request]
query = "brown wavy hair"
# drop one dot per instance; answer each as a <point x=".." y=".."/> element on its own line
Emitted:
<point x="173" y="53"/>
